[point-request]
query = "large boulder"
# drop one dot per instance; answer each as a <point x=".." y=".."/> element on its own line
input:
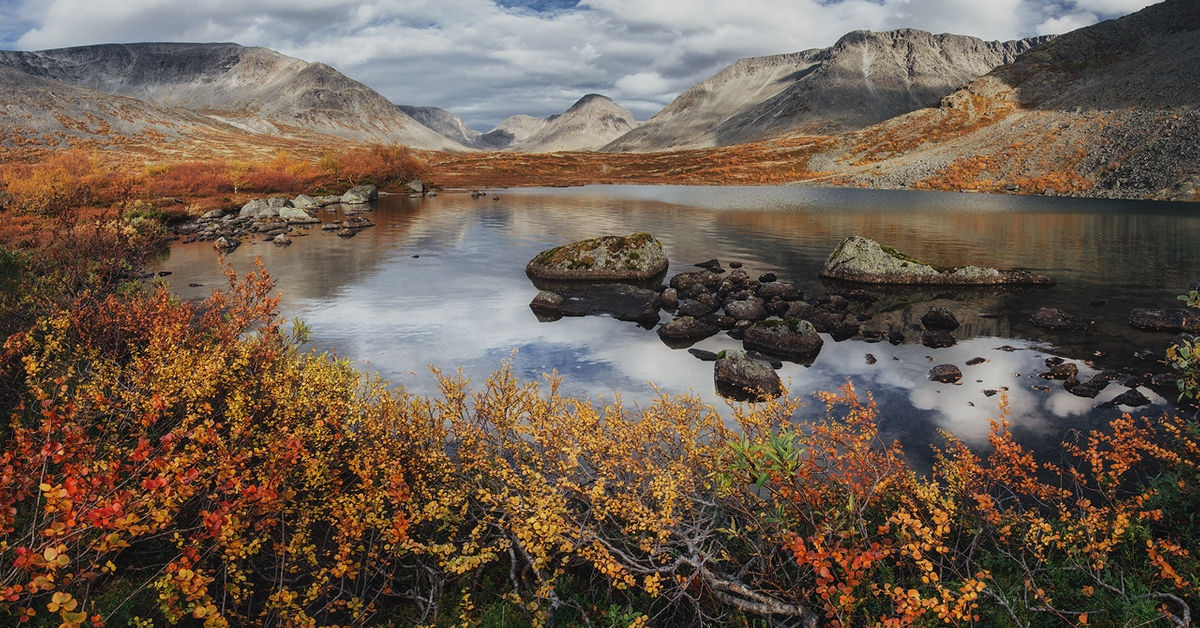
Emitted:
<point x="793" y="339"/>
<point x="743" y="378"/>
<point x="360" y="195"/>
<point x="864" y="260"/>
<point x="636" y="257"/>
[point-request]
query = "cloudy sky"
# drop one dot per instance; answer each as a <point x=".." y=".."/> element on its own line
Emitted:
<point x="487" y="59"/>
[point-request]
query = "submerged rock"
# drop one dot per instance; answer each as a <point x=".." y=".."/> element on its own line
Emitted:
<point x="1166" y="319"/>
<point x="945" y="373"/>
<point x="939" y="319"/>
<point x="686" y="328"/>
<point x="1051" y="318"/>
<point x="743" y="378"/>
<point x="621" y="301"/>
<point x="792" y="339"/>
<point x="864" y="260"/>
<point x="636" y="257"/>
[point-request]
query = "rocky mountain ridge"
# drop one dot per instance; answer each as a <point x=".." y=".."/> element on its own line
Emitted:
<point x="258" y="90"/>
<point x="864" y="78"/>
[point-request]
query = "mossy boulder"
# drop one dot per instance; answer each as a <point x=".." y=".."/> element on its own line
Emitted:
<point x="863" y="260"/>
<point x="636" y="257"/>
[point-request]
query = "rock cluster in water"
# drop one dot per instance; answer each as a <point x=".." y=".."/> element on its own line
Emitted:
<point x="274" y="218"/>
<point x="776" y="321"/>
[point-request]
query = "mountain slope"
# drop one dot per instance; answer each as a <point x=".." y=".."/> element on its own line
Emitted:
<point x="1108" y="110"/>
<point x="864" y="78"/>
<point x="256" y="89"/>
<point x="444" y="123"/>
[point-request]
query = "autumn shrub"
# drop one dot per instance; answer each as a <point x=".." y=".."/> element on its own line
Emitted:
<point x="1184" y="357"/>
<point x="377" y="164"/>
<point x="175" y="462"/>
<point x="190" y="179"/>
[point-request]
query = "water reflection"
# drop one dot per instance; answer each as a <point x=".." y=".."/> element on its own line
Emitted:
<point x="440" y="281"/>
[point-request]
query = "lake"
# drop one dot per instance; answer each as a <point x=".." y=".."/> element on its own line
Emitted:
<point x="440" y="281"/>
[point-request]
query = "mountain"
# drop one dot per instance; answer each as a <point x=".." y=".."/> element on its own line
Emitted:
<point x="1112" y="109"/>
<point x="864" y="78"/>
<point x="589" y="124"/>
<point x="255" y="89"/>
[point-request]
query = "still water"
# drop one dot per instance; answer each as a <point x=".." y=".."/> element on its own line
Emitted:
<point x="440" y="282"/>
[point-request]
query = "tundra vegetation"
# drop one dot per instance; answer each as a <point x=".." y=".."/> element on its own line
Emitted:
<point x="169" y="462"/>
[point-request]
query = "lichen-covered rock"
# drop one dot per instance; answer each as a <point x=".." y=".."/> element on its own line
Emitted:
<point x="792" y="339"/>
<point x="225" y="244"/>
<point x="360" y="195"/>
<point x="636" y="257"/>
<point x="281" y="240"/>
<point x="743" y="378"/>
<point x="864" y="260"/>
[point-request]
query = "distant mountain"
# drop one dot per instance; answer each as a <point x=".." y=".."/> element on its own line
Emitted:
<point x="589" y="124"/>
<point x="864" y="78"/>
<point x="444" y="123"/>
<point x="255" y="89"/>
<point x="1112" y="109"/>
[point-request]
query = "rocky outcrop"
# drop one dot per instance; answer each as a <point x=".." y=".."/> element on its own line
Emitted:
<point x="740" y="377"/>
<point x="636" y="257"/>
<point x="863" y="260"/>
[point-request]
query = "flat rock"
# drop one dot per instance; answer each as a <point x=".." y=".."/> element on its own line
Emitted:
<point x="864" y="260"/>
<point x="620" y="301"/>
<point x="793" y="339"/>
<point x="686" y="328"/>
<point x="1166" y="319"/>
<point x="636" y="257"/>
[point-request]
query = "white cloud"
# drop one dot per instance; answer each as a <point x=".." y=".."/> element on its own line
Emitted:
<point x="487" y="62"/>
<point x="1066" y="23"/>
